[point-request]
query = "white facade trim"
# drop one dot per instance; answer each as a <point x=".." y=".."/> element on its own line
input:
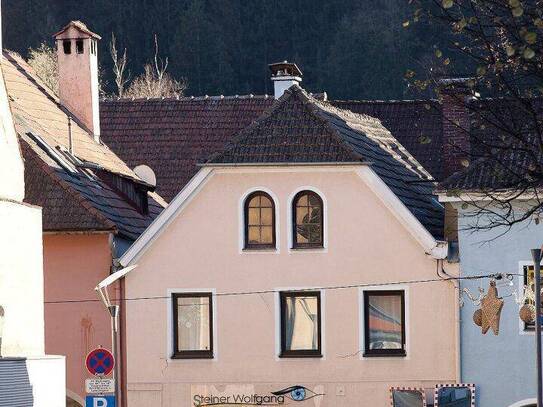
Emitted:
<point x="361" y="320"/>
<point x="160" y="223"/>
<point x="436" y="249"/>
<point x="241" y="222"/>
<point x="524" y="403"/>
<point x="169" y="315"/>
<point x="322" y="310"/>
<point x="290" y="229"/>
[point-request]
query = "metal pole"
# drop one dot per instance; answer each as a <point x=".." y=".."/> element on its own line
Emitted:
<point x="114" y="312"/>
<point x="536" y="256"/>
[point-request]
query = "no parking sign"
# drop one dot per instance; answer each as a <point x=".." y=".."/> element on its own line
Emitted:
<point x="100" y="362"/>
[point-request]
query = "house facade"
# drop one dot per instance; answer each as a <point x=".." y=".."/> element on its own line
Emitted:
<point x="502" y="364"/>
<point x="94" y="205"/>
<point x="28" y="376"/>
<point x="321" y="286"/>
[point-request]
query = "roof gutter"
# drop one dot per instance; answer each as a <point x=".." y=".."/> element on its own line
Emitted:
<point x="285" y="164"/>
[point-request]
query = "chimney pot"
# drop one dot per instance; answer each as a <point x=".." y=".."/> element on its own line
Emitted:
<point x="78" y="73"/>
<point x="284" y="75"/>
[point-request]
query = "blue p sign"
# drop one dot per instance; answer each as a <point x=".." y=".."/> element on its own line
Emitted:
<point x="100" y="401"/>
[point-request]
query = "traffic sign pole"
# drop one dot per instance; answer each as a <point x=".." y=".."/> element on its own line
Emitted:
<point x="114" y="313"/>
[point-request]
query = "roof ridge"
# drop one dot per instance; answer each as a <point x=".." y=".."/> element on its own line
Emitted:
<point x="75" y="194"/>
<point x="187" y="98"/>
<point x="383" y="101"/>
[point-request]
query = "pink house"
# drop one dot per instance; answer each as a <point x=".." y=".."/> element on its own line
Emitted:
<point x="303" y="263"/>
<point x="94" y="205"/>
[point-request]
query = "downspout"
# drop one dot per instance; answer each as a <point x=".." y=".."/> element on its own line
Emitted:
<point x="458" y="326"/>
<point x="115" y="265"/>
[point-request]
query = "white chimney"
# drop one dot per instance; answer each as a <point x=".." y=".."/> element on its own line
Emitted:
<point x="284" y="75"/>
<point x="77" y="53"/>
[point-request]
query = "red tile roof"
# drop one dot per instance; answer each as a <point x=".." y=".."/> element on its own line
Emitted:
<point x="77" y="200"/>
<point x="173" y="135"/>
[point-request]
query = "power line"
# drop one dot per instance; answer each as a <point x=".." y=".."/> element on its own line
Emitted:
<point x="323" y="288"/>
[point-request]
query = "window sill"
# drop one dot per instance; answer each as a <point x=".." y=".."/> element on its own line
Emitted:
<point x="193" y="356"/>
<point x="385" y="355"/>
<point x="259" y="250"/>
<point x="315" y="249"/>
<point x="300" y="355"/>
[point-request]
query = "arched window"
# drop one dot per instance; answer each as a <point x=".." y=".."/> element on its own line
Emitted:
<point x="307" y="215"/>
<point x="259" y="221"/>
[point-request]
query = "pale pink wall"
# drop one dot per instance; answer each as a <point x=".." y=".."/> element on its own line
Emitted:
<point x="366" y="244"/>
<point x="73" y="265"/>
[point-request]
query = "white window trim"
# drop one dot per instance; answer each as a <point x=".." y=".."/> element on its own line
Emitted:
<point x="241" y="223"/>
<point x="322" y="309"/>
<point x="520" y="288"/>
<point x="361" y="320"/>
<point x="169" y="315"/>
<point x="290" y="237"/>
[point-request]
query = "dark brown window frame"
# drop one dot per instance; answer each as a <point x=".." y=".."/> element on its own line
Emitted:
<point x="527" y="326"/>
<point x="382" y="352"/>
<point x="295" y="243"/>
<point x="305" y="353"/>
<point x="191" y="354"/>
<point x="257" y="246"/>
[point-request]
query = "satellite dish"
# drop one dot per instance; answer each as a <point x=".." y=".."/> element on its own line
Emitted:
<point x="146" y="174"/>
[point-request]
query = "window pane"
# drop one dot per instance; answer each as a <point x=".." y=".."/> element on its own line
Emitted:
<point x="454" y="397"/>
<point x="254" y="234"/>
<point x="193" y="323"/>
<point x="302" y="201"/>
<point x="314" y="200"/>
<point x="302" y="234"/>
<point x="254" y="216"/>
<point x="314" y="214"/>
<point x="302" y="215"/>
<point x="266" y="235"/>
<point x="314" y="234"/>
<point x="301" y="323"/>
<point x="529" y="278"/>
<point x="385" y="322"/>
<point x="407" y="398"/>
<point x="265" y="202"/>
<point x="266" y="216"/>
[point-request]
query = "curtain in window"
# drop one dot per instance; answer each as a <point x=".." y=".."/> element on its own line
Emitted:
<point x="385" y="322"/>
<point x="193" y="323"/>
<point x="301" y="323"/>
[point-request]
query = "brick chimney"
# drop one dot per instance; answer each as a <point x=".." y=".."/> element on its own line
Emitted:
<point x="284" y="75"/>
<point x="77" y="49"/>
<point x="455" y="93"/>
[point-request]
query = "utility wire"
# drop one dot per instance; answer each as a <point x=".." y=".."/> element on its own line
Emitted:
<point x="324" y="288"/>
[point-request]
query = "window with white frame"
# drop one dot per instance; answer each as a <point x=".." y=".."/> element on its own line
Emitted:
<point x="384" y="323"/>
<point x="529" y="283"/>
<point x="192" y="325"/>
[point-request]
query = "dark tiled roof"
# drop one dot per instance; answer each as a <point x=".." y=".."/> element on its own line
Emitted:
<point x="416" y="124"/>
<point x="173" y="135"/>
<point x="505" y="153"/>
<point x="71" y="201"/>
<point x="301" y="129"/>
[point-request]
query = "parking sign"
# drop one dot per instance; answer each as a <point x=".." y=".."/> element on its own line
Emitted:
<point x="100" y="401"/>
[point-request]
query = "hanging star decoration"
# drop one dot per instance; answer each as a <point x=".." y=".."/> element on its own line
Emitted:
<point x="491" y="308"/>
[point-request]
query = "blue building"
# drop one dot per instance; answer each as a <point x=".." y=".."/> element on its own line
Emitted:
<point x="502" y="366"/>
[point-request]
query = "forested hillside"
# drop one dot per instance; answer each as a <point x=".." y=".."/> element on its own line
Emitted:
<point x="349" y="48"/>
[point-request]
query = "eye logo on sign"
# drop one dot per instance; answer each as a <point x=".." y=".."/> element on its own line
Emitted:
<point x="296" y="393"/>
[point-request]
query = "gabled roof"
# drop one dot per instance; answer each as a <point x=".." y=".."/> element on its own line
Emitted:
<point x="80" y="26"/>
<point x="505" y="151"/>
<point x="417" y="124"/>
<point x="301" y="129"/>
<point x="73" y="197"/>
<point x="173" y="135"/>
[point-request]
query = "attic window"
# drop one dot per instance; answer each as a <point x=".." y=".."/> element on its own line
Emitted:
<point x="67" y="45"/>
<point x="133" y="192"/>
<point x="79" y="46"/>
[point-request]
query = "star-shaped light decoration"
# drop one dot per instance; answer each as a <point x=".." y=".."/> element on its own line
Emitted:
<point x="491" y="308"/>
